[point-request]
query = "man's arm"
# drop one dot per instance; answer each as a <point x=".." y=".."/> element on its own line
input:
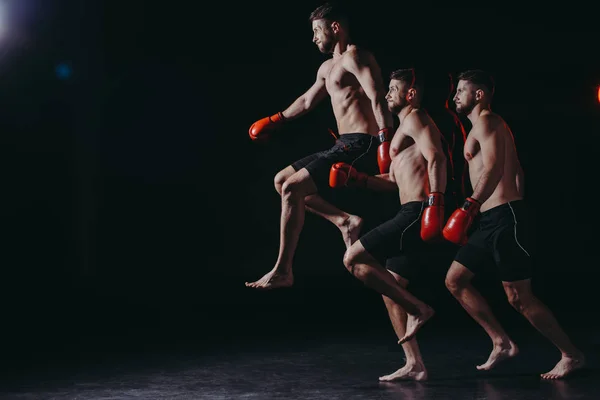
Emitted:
<point x="366" y="70"/>
<point x="309" y="99"/>
<point x="428" y="139"/>
<point x="381" y="183"/>
<point x="492" y="155"/>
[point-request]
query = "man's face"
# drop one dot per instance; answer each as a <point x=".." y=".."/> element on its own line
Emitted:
<point x="465" y="97"/>
<point x="323" y="36"/>
<point x="396" y="96"/>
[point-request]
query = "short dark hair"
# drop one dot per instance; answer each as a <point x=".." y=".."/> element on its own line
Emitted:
<point x="409" y="76"/>
<point x="479" y="77"/>
<point x="331" y="12"/>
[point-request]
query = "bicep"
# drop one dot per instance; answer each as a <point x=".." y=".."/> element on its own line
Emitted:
<point x="424" y="137"/>
<point x="492" y="148"/>
<point x="316" y="92"/>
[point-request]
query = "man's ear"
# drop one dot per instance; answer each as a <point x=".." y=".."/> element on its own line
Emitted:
<point x="411" y="94"/>
<point x="335" y="27"/>
<point x="479" y="94"/>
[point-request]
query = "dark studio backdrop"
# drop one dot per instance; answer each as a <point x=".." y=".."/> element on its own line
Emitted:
<point x="134" y="200"/>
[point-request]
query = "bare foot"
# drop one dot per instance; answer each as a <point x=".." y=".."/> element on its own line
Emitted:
<point x="272" y="280"/>
<point x="415" y="372"/>
<point x="499" y="353"/>
<point x="565" y="366"/>
<point x="415" y="322"/>
<point x="351" y="229"/>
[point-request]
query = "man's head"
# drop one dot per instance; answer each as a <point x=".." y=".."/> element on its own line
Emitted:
<point x="329" y="24"/>
<point x="474" y="87"/>
<point x="404" y="89"/>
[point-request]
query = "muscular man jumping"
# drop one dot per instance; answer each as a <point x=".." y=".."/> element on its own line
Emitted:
<point x="419" y="169"/>
<point x="352" y="79"/>
<point x="421" y="163"/>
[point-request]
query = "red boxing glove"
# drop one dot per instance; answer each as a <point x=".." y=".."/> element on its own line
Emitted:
<point x="460" y="221"/>
<point x="342" y="174"/>
<point x="432" y="221"/>
<point x="260" y="129"/>
<point x="383" y="151"/>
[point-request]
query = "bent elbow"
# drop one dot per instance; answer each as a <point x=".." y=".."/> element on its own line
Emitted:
<point x="307" y="103"/>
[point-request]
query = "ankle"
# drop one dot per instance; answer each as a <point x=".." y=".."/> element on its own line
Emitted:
<point x="574" y="354"/>
<point x="282" y="269"/>
<point x="414" y="363"/>
<point x="343" y="221"/>
<point x="502" y="342"/>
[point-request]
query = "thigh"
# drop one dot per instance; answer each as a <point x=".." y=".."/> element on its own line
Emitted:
<point x="301" y="183"/>
<point x="397" y="236"/>
<point x="404" y="267"/>
<point x="476" y="255"/>
<point x="356" y="151"/>
<point x="512" y="258"/>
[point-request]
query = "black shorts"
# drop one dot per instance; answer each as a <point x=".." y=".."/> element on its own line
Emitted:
<point x="397" y="244"/>
<point x="430" y="263"/>
<point x="501" y="237"/>
<point x="356" y="149"/>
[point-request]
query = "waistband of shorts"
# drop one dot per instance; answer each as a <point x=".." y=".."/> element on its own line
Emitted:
<point x="352" y="137"/>
<point x="413" y="205"/>
<point x="503" y="207"/>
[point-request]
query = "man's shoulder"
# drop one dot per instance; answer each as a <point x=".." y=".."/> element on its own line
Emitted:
<point x="418" y="117"/>
<point x="325" y="65"/>
<point x="359" y="55"/>
<point x="490" y="122"/>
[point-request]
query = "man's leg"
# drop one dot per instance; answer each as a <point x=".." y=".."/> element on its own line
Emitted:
<point x="348" y="224"/>
<point x="414" y="368"/>
<point x="521" y="297"/>
<point x="458" y="282"/>
<point x="293" y="193"/>
<point x="366" y="268"/>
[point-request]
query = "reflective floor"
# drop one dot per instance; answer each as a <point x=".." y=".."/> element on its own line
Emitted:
<point x="322" y="365"/>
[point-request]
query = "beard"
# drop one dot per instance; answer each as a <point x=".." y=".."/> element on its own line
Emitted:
<point x="326" y="47"/>
<point x="465" y="108"/>
<point x="395" y="108"/>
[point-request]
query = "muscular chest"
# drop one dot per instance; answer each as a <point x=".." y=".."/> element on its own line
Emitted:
<point x="472" y="148"/>
<point x="338" y="78"/>
<point x="404" y="149"/>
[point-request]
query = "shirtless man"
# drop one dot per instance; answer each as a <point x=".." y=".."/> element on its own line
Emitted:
<point x="498" y="183"/>
<point x="352" y="78"/>
<point x="404" y="99"/>
<point x="418" y="168"/>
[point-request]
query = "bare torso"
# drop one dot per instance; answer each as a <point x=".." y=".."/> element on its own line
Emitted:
<point x="409" y="168"/>
<point x="507" y="189"/>
<point x="351" y="106"/>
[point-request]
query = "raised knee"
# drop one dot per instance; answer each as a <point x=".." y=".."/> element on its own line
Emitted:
<point x="291" y="189"/>
<point x="515" y="301"/>
<point x="351" y="259"/>
<point x="348" y="259"/>
<point x="454" y="284"/>
<point x="279" y="180"/>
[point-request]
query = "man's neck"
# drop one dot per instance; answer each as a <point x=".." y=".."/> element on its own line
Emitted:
<point x="477" y="112"/>
<point x="341" y="47"/>
<point x="405" y="111"/>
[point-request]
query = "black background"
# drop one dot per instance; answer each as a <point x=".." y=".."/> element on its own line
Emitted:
<point x="134" y="201"/>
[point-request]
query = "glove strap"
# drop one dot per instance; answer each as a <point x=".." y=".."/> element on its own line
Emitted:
<point x="435" y="199"/>
<point x="277" y="117"/>
<point x="471" y="203"/>
<point x="384" y="135"/>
